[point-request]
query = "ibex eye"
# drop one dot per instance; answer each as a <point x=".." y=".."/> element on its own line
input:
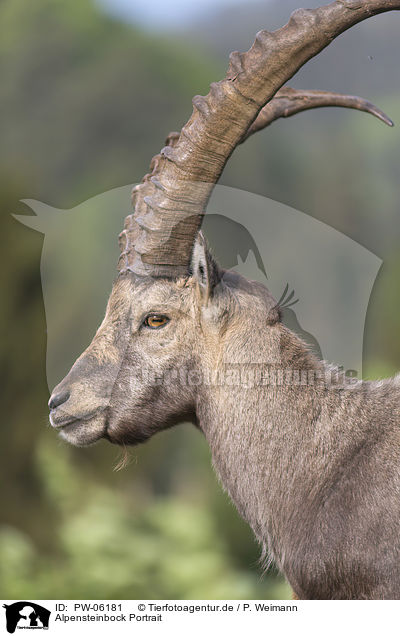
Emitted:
<point x="155" y="321"/>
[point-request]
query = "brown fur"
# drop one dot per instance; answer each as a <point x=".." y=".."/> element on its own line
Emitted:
<point x="314" y="467"/>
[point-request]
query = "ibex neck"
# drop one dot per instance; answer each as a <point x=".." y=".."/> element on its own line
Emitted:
<point x="274" y="443"/>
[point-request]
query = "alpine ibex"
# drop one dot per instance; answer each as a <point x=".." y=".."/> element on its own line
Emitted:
<point x="313" y="466"/>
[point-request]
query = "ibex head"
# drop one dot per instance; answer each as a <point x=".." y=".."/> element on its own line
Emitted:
<point x="159" y="340"/>
<point x="171" y="306"/>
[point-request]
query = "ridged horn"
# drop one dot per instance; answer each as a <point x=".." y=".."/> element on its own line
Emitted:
<point x="170" y="202"/>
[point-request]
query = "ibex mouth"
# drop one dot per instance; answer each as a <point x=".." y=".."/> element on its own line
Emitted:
<point x="81" y="431"/>
<point x="61" y="422"/>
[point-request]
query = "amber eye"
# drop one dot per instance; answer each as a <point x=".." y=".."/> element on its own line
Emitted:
<point x="155" y="321"/>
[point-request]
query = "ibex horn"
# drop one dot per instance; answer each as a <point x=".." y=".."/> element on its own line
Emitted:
<point x="169" y="205"/>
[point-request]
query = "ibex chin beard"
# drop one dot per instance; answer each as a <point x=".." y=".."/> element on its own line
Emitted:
<point x="314" y="469"/>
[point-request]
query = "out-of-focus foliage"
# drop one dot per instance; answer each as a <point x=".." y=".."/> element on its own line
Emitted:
<point x="85" y="102"/>
<point x="111" y="545"/>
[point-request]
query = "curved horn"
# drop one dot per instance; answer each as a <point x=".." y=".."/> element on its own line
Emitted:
<point x="290" y="101"/>
<point x="170" y="203"/>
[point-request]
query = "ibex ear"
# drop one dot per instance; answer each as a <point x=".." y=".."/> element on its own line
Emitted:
<point x="203" y="268"/>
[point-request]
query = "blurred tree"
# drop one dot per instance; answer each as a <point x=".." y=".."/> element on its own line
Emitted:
<point x="23" y="385"/>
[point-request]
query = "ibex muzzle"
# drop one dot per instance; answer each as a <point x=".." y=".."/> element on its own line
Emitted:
<point x="313" y="465"/>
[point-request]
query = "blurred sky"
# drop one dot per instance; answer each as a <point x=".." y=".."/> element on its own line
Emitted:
<point x="162" y="13"/>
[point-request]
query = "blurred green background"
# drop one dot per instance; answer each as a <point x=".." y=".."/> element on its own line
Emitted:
<point x="85" y="101"/>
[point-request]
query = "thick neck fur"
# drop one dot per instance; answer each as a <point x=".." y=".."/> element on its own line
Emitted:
<point x="298" y="461"/>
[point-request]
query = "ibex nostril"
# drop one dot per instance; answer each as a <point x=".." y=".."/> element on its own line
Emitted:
<point x="58" y="399"/>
